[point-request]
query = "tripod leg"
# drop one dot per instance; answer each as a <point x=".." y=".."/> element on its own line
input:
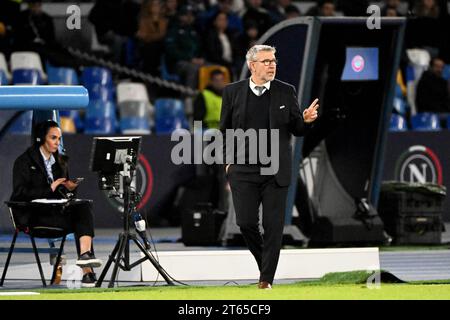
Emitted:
<point x="123" y="241"/>
<point x="155" y="263"/>
<point x="108" y="264"/>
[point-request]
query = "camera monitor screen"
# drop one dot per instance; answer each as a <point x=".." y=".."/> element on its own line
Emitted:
<point x="110" y="153"/>
<point x="361" y="64"/>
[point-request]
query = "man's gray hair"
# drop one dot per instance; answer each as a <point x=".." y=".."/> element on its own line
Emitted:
<point x="251" y="53"/>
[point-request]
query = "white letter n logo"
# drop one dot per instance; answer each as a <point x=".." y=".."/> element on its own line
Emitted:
<point x="416" y="175"/>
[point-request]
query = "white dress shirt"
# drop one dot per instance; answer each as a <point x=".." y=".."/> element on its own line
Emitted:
<point x="255" y="91"/>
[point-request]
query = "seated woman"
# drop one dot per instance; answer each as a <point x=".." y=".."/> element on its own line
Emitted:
<point x="41" y="172"/>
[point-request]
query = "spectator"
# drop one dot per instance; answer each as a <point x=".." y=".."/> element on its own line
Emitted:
<point x="390" y="9"/>
<point x="150" y="35"/>
<point x="432" y="90"/>
<point x="220" y="45"/>
<point x="35" y="27"/>
<point x="246" y="41"/>
<point x="9" y="17"/>
<point x="225" y="6"/>
<point x="426" y="8"/>
<point x="352" y="8"/>
<point x="170" y="10"/>
<point x="277" y="10"/>
<point x="208" y="104"/>
<point x="256" y="13"/>
<point x="183" y="52"/>
<point x="324" y="8"/>
<point x="292" y="12"/>
<point x="115" y="21"/>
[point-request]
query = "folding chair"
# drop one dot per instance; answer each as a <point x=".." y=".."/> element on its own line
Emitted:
<point x="33" y="232"/>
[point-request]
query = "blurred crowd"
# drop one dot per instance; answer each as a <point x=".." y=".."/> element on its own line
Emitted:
<point x="180" y="36"/>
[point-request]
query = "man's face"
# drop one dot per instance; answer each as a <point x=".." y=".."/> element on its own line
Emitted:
<point x="218" y="82"/>
<point x="255" y="3"/>
<point x="225" y="5"/>
<point x="260" y="71"/>
<point x="391" y="12"/>
<point x="438" y="67"/>
<point x="284" y="3"/>
<point x="187" y="18"/>
<point x="393" y="3"/>
<point x="328" y="10"/>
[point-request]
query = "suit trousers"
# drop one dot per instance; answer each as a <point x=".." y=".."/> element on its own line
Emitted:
<point x="249" y="190"/>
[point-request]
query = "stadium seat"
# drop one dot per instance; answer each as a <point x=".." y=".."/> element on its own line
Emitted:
<point x="22" y="125"/>
<point x="5" y="76"/>
<point x="100" y="92"/>
<point x="27" y="77"/>
<point x="446" y="72"/>
<point x="204" y="73"/>
<point x="398" y="123"/>
<point x="24" y="60"/>
<point x="400" y="85"/>
<point x="169" y="116"/>
<point x="67" y="125"/>
<point x="96" y="76"/>
<point x="400" y="105"/>
<point x="100" y="126"/>
<point x="101" y="109"/>
<point x="75" y="116"/>
<point x="67" y="76"/>
<point x="165" y="74"/>
<point x="419" y="60"/>
<point x="135" y="108"/>
<point x="131" y="91"/>
<point x="134" y="125"/>
<point x="425" y="121"/>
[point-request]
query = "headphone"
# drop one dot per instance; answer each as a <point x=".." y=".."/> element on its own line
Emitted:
<point x="42" y="129"/>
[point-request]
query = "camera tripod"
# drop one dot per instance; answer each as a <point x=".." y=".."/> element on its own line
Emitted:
<point x="120" y="255"/>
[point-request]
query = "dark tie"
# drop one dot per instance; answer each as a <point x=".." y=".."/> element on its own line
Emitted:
<point x="260" y="89"/>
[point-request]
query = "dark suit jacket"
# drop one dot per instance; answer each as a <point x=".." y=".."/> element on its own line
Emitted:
<point x="30" y="179"/>
<point x="288" y="119"/>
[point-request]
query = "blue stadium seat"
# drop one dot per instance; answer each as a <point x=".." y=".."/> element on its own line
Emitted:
<point x="446" y="73"/>
<point x="398" y="91"/>
<point x="67" y="76"/>
<point x="165" y="74"/>
<point x="398" y="123"/>
<point x="97" y="75"/>
<point x="3" y="78"/>
<point x="101" y="93"/>
<point x="22" y="125"/>
<point x="169" y="116"/>
<point x="425" y="121"/>
<point x="100" y="126"/>
<point x="101" y="109"/>
<point x="400" y="105"/>
<point x="134" y="125"/>
<point x="27" y="76"/>
<point x="169" y="107"/>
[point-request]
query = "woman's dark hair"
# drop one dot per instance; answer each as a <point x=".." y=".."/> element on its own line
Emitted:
<point x="40" y="131"/>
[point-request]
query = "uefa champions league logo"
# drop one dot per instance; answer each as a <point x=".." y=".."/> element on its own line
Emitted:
<point x="357" y="63"/>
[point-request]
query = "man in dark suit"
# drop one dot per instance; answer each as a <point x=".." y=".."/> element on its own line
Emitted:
<point x="263" y="103"/>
